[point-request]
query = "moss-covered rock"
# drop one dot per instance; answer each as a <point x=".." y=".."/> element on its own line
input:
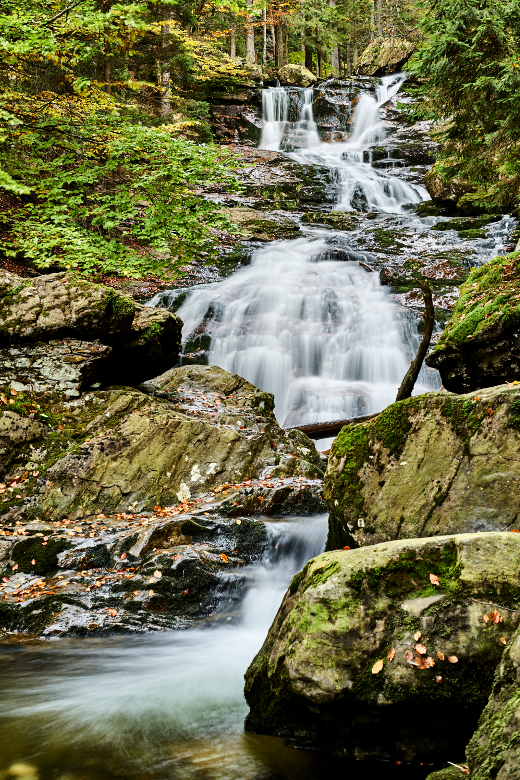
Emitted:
<point x="144" y="341"/>
<point x="296" y="75"/>
<point x="368" y="658"/>
<point x="125" y="450"/>
<point x="480" y="345"/>
<point x="384" y="55"/>
<point x="433" y="464"/>
<point x="494" y="750"/>
<point x="255" y="225"/>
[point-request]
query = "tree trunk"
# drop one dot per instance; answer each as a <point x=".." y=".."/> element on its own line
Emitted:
<point x="233" y="43"/>
<point x="108" y="74"/>
<point x="349" y="58"/>
<point x="286" y="48"/>
<point x="379" y="21"/>
<point x="308" y="58"/>
<point x="334" y="55"/>
<point x="250" y="36"/>
<point x="164" y="70"/>
<point x="264" y="34"/>
<point x="320" y="63"/>
<point x="279" y="46"/>
<point x="355" y="55"/>
<point x="410" y="378"/>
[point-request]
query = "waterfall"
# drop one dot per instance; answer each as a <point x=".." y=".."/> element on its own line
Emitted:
<point x="307" y="323"/>
<point x="304" y="320"/>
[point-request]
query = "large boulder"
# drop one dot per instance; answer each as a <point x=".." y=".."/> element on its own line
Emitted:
<point x="388" y="651"/>
<point x="480" y="345"/>
<point x="384" y="55"/>
<point x="494" y="750"/>
<point x="444" y="189"/>
<point x="144" y="341"/>
<point x="125" y="450"/>
<point x="434" y="464"/>
<point x="296" y="76"/>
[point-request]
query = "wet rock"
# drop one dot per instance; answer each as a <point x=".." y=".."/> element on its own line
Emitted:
<point x="236" y="123"/>
<point x="60" y="306"/>
<point x="385" y="55"/>
<point x="69" y="365"/>
<point x="444" y="190"/>
<point x="364" y="638"/>
<point x="434" y="464"/>
<point x="339" y="220"/>
<point x="256" y="225"/>
<point x="494" y="748"/>
<point x="296" y="76"/>
<point x="480" y="345"/>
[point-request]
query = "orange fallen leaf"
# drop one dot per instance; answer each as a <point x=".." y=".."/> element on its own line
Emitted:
<point x="346" y="547"/>
<point x="135" y="592"/>
<point x="496" y="617"/>
<point x="123" y="556"/>
<point x="434" y="579"/>
<point x="33" y="562"/>
<point x="440" y="655"/>
<point x="377" y="666"/>
<point x="503" y="640"/>
<point x="425" y="663"/>
<point x="485" y="618"/>
<point x="186" y="592"/>
<point x="157" y="574"/>
<point x="150" y="592"/>
<point x="417" y="636"/>
<point x="391" y="654"/>
<point x="514" y="531"/>
<point x="453" y="659"/>
<point x="438" y="679"/>
<point x="224" y="557"/>
<point x="112" y="612"/>
<point x="409" y="656"/>
<point x="420" y="649"/>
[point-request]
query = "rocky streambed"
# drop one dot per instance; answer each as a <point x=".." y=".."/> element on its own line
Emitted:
<point x="138" y="497"/>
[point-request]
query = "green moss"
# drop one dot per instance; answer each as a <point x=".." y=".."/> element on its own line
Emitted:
<point x="152" y="332"/>
<point x="322" y="574"/>
<point x="490" y="297"/>
<point x="514" y="411"/>
<point x="392" y="426"/>
<point x="353" y="445"/>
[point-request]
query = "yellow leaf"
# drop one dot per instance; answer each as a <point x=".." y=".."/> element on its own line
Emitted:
<point x="377" y="666"/>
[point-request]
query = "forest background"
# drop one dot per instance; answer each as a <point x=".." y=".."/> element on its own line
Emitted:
<point x="105" y="143"/>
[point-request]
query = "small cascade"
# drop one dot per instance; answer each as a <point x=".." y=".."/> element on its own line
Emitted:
<point x="275" y="112"/>
<point x="307" y="323"/>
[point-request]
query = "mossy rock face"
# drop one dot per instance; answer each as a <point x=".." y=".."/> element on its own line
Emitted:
<point x="494" y="750"/>
<point x="384" y="55"/>
<point x="44" y="554"/>
<point x="480" y="345"/>
<point x="143" y="341"/>
<point x="336" y="219"/>
<point x="433" y="464"/>
<point x="363" y="638"/>
<point x="450" y="773"/>
<point x="254" y="224"/>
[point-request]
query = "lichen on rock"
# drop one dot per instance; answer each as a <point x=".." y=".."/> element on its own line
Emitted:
<point x="433" y="464"/>
<point x="480" y="345"/>
<point x="364" y="637"/>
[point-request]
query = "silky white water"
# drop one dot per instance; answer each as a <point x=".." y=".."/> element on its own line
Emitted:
<point x="304" y="320"/>
<point x="170" y="705"/>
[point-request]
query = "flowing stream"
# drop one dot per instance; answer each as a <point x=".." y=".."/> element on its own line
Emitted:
<point x="305" y="321"/>
<point x="308" y="323"/>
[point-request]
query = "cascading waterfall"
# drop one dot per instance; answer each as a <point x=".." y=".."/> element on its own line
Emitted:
<point x="323" y="336"/>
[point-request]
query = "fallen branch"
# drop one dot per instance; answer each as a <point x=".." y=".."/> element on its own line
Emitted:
<point x="410" y="378"/>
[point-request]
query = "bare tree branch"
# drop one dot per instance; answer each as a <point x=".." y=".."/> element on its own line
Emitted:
<point x="410" y="378"/>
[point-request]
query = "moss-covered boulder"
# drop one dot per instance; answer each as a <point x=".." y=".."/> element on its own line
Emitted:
<point x="494" y="750"/>
<point x="445" y="189"/>
<point x="144" y="341"/>
<point x="124" y="450"/>
<point x="296" y="75"/>
<point x="388" y="651"/>
<point x="434" y="464"/>
<point x="256" y="225"/>
<point x="384" y="55"/>
<point x="480" y="345"/>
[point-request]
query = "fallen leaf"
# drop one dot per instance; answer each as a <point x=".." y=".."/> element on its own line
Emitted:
<point x="13" y="392"/>
<point x="409" y="656"/>
<point x="123" y="556"/>
<point x="135" y="592"/>
<point x="150" y="592"/>
<point x="453" y="659"/>
<point x="434" y="579"/>
<point x="224" y="557"/>
<point x="391" y="654"/>
<point x="485" y="618"/>
<point x="186" y="592"/>
<point x="438" y="679"/>
<point x="417" y="636"/>
<point x="420" y="649"/>
<point x="496" y="617"/>
<point x="515" y="531"/>
<point x="377" y="666"/>
<point x="346" y="547"/>
<point x="112" y="612"/>
<point x="440" y="655"/>
<point x="151" y="580"/>
<point x="503" y="640"/>
<point x="33" y="562"/>
<point x="239" y="522"/>
<point x="157" y="575"/>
